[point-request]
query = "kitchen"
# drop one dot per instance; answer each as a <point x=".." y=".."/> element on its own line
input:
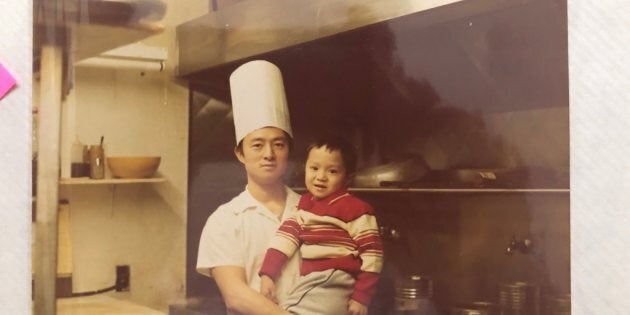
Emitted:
<point x="480" y="97"/>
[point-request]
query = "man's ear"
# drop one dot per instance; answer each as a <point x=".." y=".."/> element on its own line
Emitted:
<point x="239" y="154"/>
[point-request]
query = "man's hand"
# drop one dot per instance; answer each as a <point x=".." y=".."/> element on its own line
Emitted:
<point x="239" y="297"/>
<point x="268" y="288"/>
<point x="356" y="308"/>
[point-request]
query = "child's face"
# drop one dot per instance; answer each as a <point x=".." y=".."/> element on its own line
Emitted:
<point x="325" y="172"/>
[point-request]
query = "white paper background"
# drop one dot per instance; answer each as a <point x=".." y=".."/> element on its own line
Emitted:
<point x="15" y="158"/>
<point x="599" y="53"/>
<point x="599" y="80"/>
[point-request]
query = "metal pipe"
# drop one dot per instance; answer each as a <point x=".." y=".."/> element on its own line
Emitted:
<point x="48" y="180"/>
<point x="121" y="63"/>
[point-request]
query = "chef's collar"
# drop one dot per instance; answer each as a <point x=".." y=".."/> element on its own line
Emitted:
<point x="245" y="201"/>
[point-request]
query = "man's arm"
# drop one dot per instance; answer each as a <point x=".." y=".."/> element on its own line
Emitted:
<point x="238" y="296"/>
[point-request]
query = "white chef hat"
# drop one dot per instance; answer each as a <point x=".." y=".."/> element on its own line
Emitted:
<point x="258" y="98"/>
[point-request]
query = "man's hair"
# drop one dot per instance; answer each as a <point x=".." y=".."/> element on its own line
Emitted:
<point x="239" y="146"/>
<point x="334" y="142"/>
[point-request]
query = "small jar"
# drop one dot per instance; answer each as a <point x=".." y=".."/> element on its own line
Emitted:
<point x="80" y="161"/>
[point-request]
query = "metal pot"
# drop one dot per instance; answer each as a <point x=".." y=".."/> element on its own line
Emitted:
<point x="413" y="295"/>
<point x="414" y="286"/>
<point x="477" y="308"/>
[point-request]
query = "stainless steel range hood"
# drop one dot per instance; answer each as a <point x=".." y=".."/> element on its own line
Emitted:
<point x="490" y="55"/>
<point x="251" y="28"/>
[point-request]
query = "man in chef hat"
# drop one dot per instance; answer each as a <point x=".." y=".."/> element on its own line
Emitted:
<point x="234" y="240"/>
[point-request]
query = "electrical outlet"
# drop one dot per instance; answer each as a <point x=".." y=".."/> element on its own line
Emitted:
<point x="122" y="278"/>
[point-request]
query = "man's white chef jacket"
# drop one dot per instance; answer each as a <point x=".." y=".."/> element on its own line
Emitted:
<point x="238" y="234"/>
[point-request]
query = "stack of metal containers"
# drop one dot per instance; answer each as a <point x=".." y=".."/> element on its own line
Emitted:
<point x="520" y="298"/>
<point x="413" y="296"/>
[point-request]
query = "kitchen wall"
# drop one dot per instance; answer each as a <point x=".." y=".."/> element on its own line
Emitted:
<point x="141" y="225"/>
<point x="460" y="239"/>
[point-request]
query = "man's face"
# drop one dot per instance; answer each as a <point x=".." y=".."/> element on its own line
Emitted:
<point x="265" y="154"/>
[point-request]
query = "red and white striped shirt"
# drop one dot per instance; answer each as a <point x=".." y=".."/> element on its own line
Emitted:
<point x="337" y="232"/>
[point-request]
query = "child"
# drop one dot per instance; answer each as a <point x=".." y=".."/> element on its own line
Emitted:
<point x="337" y="235"/>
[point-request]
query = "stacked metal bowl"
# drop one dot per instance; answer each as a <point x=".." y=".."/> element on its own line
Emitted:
<point x="520" y="298"/>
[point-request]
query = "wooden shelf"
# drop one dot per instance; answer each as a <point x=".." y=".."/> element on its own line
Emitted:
<point x="109" y="181"/>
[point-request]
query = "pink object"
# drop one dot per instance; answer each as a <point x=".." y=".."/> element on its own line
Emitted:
<point x="7" y="82"/>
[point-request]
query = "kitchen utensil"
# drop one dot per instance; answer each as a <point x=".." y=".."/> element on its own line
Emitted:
<point x="97" y="161"/>
<point x="133" y="166"/>
<point x="477" y="308"/>
<point x="520" y="298"/>
<point x="398" y="172"/>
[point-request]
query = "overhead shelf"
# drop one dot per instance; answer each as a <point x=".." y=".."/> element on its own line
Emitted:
<point x="93" y="39"/>
<point x="96" y="26"/>
<point x="109" y="181"/>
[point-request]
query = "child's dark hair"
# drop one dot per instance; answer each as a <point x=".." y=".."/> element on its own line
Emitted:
<point x="335" y="142"/>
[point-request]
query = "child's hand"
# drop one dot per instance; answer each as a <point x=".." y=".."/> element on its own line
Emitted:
<point x="268" y="288"/>
<point x="356" y="308"/>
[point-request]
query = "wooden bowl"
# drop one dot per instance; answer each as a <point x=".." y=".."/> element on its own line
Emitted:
<point x="133" y="166"/>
